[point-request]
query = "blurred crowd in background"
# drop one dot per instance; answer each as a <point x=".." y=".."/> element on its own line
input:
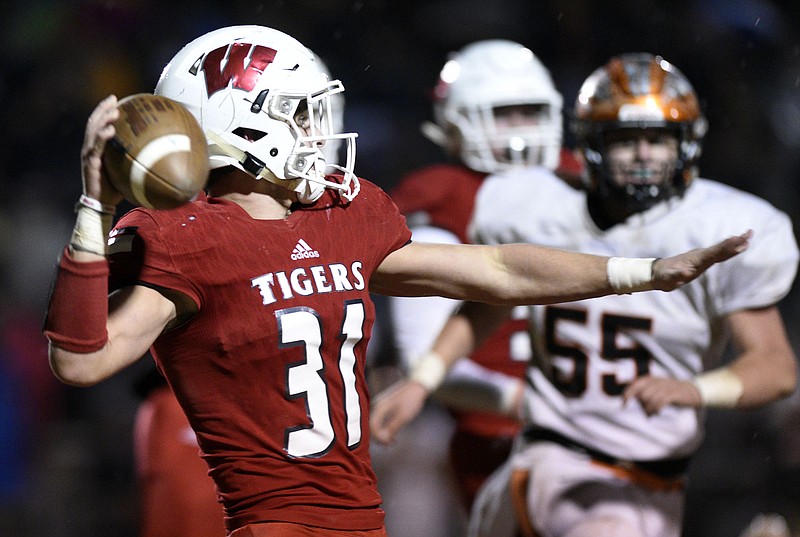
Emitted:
<point x="65" y="453"/>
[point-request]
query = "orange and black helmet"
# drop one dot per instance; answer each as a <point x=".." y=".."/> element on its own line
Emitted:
<point x="638" y="91"/>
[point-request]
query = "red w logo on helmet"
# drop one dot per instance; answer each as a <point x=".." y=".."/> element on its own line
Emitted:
<point x="242" y="72"/>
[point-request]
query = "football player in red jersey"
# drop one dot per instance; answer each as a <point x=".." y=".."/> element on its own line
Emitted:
<point x="255" y="301"/>
<point x="495" y="109"/>
<point x="177" y="497"/>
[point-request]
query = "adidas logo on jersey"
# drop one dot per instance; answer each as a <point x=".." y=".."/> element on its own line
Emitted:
<point x="303" y="251"/>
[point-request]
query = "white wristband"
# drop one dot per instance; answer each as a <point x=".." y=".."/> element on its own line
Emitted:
<point x="719" y="388"/>
<point x="94" y="205"/>
<point x="90" y="233"/>
<point x="628" y="275"/>
<point x="430" y="371"/>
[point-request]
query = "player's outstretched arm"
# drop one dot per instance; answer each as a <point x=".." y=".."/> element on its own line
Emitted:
<point x="519" y="274"/>
<point x="510" y="274"/>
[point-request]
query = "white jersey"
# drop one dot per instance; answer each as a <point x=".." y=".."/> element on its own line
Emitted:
<point x="586" y="352"/>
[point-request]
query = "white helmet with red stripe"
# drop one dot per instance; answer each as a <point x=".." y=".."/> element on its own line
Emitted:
<point x="475" y="84"/>
<point x="264" y="102"/>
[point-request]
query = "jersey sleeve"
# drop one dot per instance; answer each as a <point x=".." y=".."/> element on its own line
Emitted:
<point x="138" y="255"/>
<point x="382" y="228"/>
<point x="440" y="195"/>
<point x="762" y="275"/>
<point x="487" y="224"/>
<point x="503" y="201"/>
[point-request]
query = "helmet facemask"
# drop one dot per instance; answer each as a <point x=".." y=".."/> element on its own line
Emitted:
<point x="490" y="146"/>
<point x="307" y="161"/>
<point x="634" y="186"/>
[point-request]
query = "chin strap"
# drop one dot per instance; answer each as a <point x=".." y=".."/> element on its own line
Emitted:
<point x="251" y="164"/>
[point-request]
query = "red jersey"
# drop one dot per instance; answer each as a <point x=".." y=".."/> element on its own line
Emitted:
<point x="270" y="370"/>
<point x="440" y="195"/>
<point x="176" y="495"/>
<point x="443" y="196"/>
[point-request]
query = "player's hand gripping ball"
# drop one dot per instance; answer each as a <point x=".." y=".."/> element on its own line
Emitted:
<point x="159" y="156"/>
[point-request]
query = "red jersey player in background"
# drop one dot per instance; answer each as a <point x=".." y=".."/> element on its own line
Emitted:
<point x="265" y="350"/>
<point x="177" y="497"/>
<point x="495" y="109"/>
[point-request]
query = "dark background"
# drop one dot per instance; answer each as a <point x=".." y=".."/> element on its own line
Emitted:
<point x="65" y="456"/>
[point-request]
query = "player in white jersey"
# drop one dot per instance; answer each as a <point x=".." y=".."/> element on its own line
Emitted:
<point x="618" y="385"/>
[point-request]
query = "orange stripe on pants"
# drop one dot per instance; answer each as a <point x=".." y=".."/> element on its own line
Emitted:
<point x="519" y="499"/>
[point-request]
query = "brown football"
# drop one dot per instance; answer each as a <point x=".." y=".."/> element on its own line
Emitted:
<point x="158" y="157"/>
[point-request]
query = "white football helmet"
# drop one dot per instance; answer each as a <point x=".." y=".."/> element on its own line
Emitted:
<point x="246" y="85"/>
<point x="474" y="83"/>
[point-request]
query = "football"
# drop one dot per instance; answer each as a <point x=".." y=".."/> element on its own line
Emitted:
<point x="158" y="157"/>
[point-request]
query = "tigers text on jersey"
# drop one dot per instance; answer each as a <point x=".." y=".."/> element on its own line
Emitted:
<point x="587" y="352"/>
<point x="270" y="370"/>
